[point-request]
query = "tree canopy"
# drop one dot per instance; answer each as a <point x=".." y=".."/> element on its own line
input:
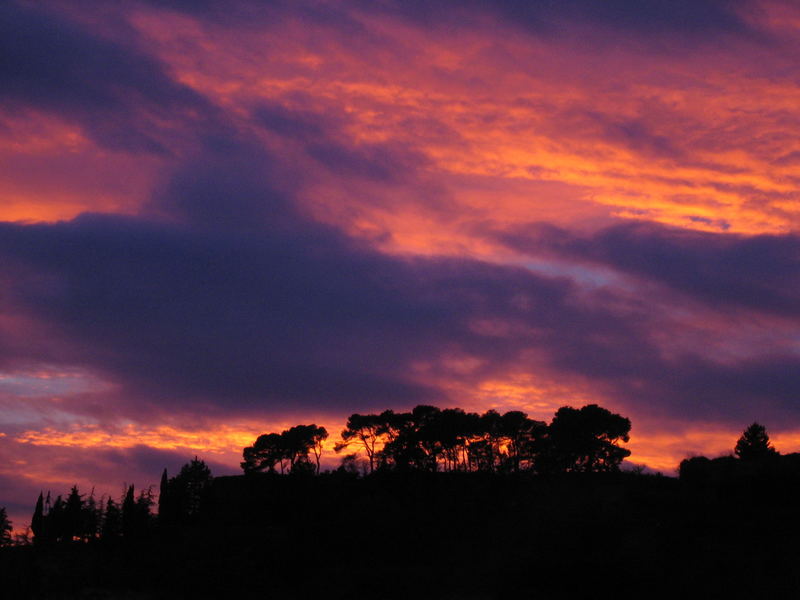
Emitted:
<point x="428" y="438"/>
<point x="290" y="448"/>
<point x="587" y="439"/>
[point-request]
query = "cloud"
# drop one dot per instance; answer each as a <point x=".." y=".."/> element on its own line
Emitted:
<point x="117" y="94"/>
<point x="307" y="318"/>
<point x="324" y="139"/>
<point x="682" y="19"/>
<point x="757" y="273"/>
<point x="224" y="292"/>
<point x="184" y="317"/>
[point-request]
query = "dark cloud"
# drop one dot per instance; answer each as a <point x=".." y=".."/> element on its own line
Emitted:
<point x="748" y="388"/>
<point x="308" y="318"/>
<point x="298" y="124"/>
<point x="759" y="273"/>
<point x="230" y="184"/>
<point x="115" y="92"/>
<point x="225" y="294"/>
<point x="637" y="135"/>
<point x="324" y="140"/>
<point x="248" y="13"/>
<point x="124" y="98"/>
<point x="240" y="300"/>
<point x="383" y="162"/>
<point x="675" y="22"/>
<point x="180" y="315"/>
<point x="694" y="17"/>
<point x="681" y="19"/>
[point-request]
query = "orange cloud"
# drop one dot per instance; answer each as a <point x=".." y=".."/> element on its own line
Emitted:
<point x="513" y="128"/>
<point x="693" y="145"/>
<point x="51" y="171"/>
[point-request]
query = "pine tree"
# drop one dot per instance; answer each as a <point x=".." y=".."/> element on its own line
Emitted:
<point x="189" y="487"/>
<point x="73" y="515"/>
<point x="90" y="520"/>
<point x="112" y="525"/>
<point x="144" y="504"/>
<point x="754" y="444"/>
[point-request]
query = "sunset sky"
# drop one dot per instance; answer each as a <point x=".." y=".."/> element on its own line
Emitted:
<point x="219" y="219"/>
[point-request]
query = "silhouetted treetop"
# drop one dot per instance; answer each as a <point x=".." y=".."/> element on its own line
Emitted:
<point x="366" y="431"/>
<point x="429" y="439"/>
<point x="189" y="485"/>
<point x="81" y="519"/>
<point x="754" y="444"/>
<point x="587" y="439"/>
<point x="289" y="448"/>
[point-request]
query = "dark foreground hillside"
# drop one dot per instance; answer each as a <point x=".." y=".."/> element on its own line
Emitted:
<point x="445" y="535"/>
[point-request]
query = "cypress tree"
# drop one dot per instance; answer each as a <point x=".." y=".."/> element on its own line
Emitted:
<point x="129" y="514"/>
<point x="164" y="500"/>
<point x="37" y="522"/>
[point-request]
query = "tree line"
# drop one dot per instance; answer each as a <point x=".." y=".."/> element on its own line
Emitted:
<point x="428" y="438"/>
<point x="424" y="439"/>
<point x="81" y="518"/>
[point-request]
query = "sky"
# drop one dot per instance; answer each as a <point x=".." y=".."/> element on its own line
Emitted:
<point x="220" y="219"/>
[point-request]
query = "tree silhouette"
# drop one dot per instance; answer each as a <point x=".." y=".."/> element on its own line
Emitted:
<point x="165" y="504"/>
<point x="90" y="519"/>
<point x="5" y="528"/>
<point x="367" y="430"/>
<point x="55" y="521"/>
<point x="37" y="521"/>
<point x="412" y="440"/>
<point x="523" y="438"/>
<point x="400" y="435"/>
<point x="586" y="439"/>
<point x="454" y="428"/>
<point x="428" y="438"/>
<point x="299" y="441"/>
<point x="317" y="435"/>
<point x="292" y="445"/>
<point x="129" y="520"/>
<point x="267" y="451"/>
<point x="754" y="444"/>
<point x="73" y="515"/>
<point x="187" y="489"/>
<point x="111" y="528"/>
